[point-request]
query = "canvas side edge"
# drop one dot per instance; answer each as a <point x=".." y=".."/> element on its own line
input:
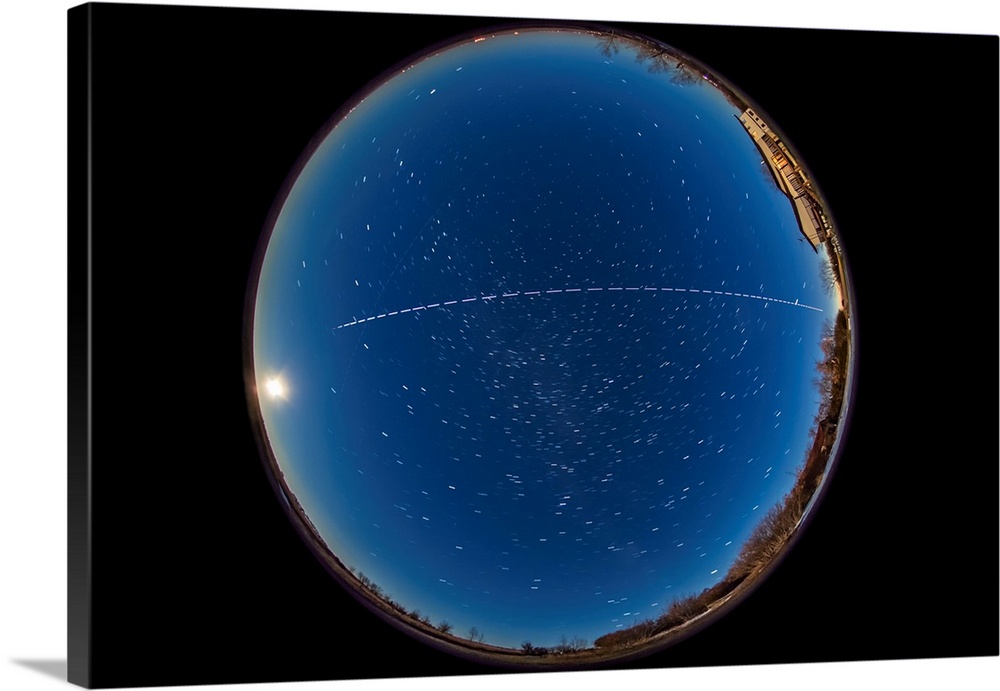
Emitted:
<point x="79" y="610"/>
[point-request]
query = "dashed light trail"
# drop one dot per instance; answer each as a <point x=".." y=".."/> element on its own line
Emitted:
<point x="558" y="291"/>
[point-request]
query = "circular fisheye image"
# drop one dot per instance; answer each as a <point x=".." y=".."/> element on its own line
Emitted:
<point x="550" y="346"/>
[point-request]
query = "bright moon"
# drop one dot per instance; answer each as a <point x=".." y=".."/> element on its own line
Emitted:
<point x="275" y="388"/>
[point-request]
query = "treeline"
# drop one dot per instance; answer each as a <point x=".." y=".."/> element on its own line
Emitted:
<point x="771" y="535"/>
<point x="774" y="531"/>
<point x="766" y="541"/>
<point x="832" y="369"/>
<point x="660" y="58"/>
<point x="474" y="635"/>
<point x="375" y="590"/>
<point x="564" y="647"/>
<point x="680" y="611"/>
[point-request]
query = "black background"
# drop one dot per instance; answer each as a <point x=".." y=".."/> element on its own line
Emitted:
<point x="199" y="115"/>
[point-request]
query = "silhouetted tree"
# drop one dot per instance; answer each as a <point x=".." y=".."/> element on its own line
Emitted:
<point x="686" y="75"/>
<point x="624" y="638"/>
<point x="769" y="536"/>
<point x="444" y="626"/>
<point x="528" y="649"/>
<point x="682" y="610"/>
<point x="610" y="43"/>
<point x="654" y="56"/>
<point x="830" y="277"/>
<point x="475" y="635"/>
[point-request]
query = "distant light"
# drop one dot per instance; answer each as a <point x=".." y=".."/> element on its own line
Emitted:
<point x="275" y="388"/>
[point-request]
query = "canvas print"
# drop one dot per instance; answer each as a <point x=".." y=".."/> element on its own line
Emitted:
<point x="511" y="345"/>
<point x="507" y="371"/>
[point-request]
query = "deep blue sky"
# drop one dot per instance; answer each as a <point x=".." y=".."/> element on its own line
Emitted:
<point x="538" y="463"/>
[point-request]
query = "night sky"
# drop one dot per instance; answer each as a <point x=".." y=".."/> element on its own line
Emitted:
<point x="535" y="337"/>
